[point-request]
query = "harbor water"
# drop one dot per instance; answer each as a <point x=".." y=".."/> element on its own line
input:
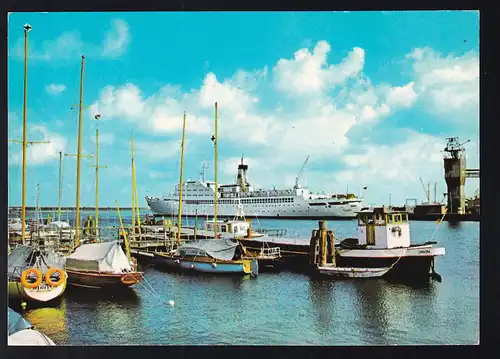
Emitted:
<point x="281" y="308"/>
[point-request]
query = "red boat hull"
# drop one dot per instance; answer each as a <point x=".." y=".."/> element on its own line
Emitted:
<point x="100" y="280"/>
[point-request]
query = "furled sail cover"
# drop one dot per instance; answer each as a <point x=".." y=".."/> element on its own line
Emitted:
<point x="100" y="257"/>
<point x="223" y="249"/>
<point x="15" y="322"/>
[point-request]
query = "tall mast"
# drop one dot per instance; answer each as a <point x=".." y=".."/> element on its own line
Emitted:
<point x="97" y="117"/>
<point x="60" y="188"/>
<point x="78" y="157"/>
<point x="135" y="200"/>
<point x="27" y="29"/>
<point x="215" y="173"/>
<point x="179" y="215"/>
<point x="133" y="187"/>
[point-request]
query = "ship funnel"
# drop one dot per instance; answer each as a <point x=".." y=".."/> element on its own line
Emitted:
<point x="241" y="179"/>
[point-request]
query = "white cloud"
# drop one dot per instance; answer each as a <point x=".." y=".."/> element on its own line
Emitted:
<point x="116" y="40"/>
<point x="160" y="113"/>
<point x="70" y="46"/>
<point x="55" y="89"/>
<point x="404" y="96"/>
<point x="38" y="154"/>
<point x="449" y="85"/>
<point x="309" y="73"/>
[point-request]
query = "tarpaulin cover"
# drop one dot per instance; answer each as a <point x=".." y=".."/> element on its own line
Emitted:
<point x="223" y="249"/>
<point x="101" y="257"/>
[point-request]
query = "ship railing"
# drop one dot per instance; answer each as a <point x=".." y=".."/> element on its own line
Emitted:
<point x="275" y="232"/>
<point x="270" y="252"/>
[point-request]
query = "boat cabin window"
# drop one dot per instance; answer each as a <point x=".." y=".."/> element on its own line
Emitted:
<point x="397" y="218"/>
<point x="223" y="228"/>
<point x="366" y="219"/>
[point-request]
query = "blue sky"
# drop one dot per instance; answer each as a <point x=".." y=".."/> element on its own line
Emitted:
<point x="370" y="96"/>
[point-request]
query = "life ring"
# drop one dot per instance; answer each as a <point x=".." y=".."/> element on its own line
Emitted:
<point x="51" y="271"/>
<point x="24" y="278"/>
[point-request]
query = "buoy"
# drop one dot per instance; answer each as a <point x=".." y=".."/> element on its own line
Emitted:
<point x="192" y="266"/>
<point x="23" y="305"/>
<point x="214" y="265"/>
<point x="171" y="303"/>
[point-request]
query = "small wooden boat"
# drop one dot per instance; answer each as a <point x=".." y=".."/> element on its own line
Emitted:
<point x="223" y="256"/>
<point x="352" y="272"/>
<point x="22" y="332"/>
<point x="34" y="275"/>
<point x="101" y="266"/>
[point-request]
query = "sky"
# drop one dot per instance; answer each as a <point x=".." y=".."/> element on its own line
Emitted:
<point x="370" y="97"/>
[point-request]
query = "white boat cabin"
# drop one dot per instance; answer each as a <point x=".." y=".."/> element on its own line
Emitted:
<point x="236" y="227"/>
<point x="383" y="229"/>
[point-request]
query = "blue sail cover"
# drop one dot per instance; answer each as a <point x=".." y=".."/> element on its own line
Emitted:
<point x="223" y="249"/>
<point x="15" y="322"/>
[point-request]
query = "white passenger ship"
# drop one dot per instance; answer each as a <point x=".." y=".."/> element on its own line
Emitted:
<point x="198" y="198"/>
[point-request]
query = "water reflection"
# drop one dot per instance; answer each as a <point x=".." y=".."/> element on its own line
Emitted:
<point x="322" y="299"/>
<point x="103" y="317"/>
<point x="388" y="311"/>
<point x="51" y="321"/>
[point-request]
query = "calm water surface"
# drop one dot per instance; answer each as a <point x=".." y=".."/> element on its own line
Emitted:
<point x="284" y="308"/>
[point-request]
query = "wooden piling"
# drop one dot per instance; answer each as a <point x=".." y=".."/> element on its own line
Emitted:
<point x="331" y="248"/>
<point x="314" y="246"/>
<point x="323" y="244"/>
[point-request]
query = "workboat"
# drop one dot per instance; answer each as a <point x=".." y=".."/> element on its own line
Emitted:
<point x="22" y="332"/>
<point x="221" y="256"/>
<point x="382" y="248"/>
<point x="297" y="202"/>
<point x="35" y="275"/>
<point x="101" y="265"/>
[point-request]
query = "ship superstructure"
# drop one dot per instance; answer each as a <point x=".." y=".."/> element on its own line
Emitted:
<point x="296" y="202"/>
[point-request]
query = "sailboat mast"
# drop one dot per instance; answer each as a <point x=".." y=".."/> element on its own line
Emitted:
<point x="135" y="199"/>
<point x="27" y="29"/>
<point x="215" y="173"/>
<point x="96" y="178"/>
<point x="133" y="185"/>
<point x="60" y="188"/>
<point x="78" y="157"/>
<point x="179" y="215"/>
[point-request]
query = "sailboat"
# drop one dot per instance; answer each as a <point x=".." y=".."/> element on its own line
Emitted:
<point x="32" y="274"/>
<point x="221" y="256"/>
<point x="101" y="265"/>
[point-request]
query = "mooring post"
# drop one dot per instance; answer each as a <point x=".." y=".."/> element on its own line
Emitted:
<point x="313" y="247"/>
<point x="331" y="248"/>
<point x="323" y="244"/>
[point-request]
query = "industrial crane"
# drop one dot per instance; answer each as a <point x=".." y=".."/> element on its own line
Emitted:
<point x="297" y="179"/>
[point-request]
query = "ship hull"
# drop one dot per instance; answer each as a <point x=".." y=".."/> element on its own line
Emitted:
<point x="42" y="294"/>
<point x="301" y="210"/>
<point x="241" y="267"/>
